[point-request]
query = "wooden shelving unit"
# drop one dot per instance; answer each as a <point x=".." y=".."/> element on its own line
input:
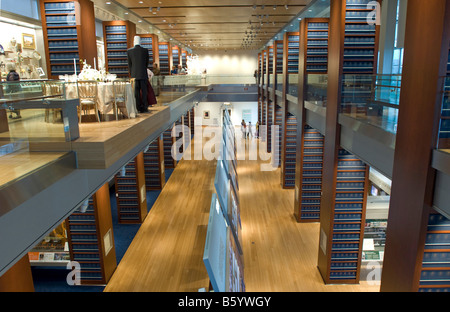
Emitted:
<point x="263" y="93"/>
<point x="316" y="60"/>
<point x="184" y="55"/>
<point x="293" y="41"/>
<point x="444" y="131"/>
<point x="150" y="42"/>
<point x="314" y="55"/>
<point x="91" y="240"/>
<point x="168" y="141"/>
<point x="312" y="161"/>
<point x="155" y="177"/>
<point x="259" y="88"/>
<point x="270" y="104"/>
<point x="349" y="218"/>
<point x="131" y="194"/>
<point x="360" y="54"/>
<point x="118" y="38"/>
<point x="288" y="163"/>
<point x="192" y="121"/>
<point x="435" y="274"/>
<point x="165" y="58"/>
<point x="69" y="35"/>
<point x="176" y="56"/>
<point x="278" y="57"/>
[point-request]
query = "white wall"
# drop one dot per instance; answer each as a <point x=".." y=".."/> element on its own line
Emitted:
<point x="232" y="62"/>
<point x="215" y="112"/>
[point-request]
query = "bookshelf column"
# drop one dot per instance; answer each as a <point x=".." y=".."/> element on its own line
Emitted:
<point x="155" y="177"/>
<point x="91" y="240"/>
<point x="277" y="108"/>
<point x="269" y="102"/>
<point x="69" y="35"/>
<point x="131" y="193"/>
<point x="408" y="247"/>
<point x="263" y="134"/>
<point x="345" y="177"/>
<point x="118" y="38"/>
<point x="289" y="120"/>
<point x="313" y="60"/>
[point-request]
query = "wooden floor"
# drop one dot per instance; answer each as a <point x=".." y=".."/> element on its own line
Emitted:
<point x="279" y="253"/>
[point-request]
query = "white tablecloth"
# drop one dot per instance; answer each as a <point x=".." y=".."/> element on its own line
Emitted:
<point x="105" y="98"/>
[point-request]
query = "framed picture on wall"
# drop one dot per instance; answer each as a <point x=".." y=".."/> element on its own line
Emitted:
<point x="28" y="41"/>
<point x="206" y="114"/>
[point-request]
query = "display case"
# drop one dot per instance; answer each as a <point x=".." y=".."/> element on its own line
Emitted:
<point x="53" y="250"/>
<point x="131" y="195"/>
<point x="165" y="58"/>
<point x="118" y="38"/>
<point x="30" y="104"/>
<point x="69" y="35"/>
<point x="155" y="178"/>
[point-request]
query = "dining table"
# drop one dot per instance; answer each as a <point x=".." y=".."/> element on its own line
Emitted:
<point x="105" y="98"/>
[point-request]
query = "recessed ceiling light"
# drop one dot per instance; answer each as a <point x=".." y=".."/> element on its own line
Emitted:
<point x="141" y="2"/>
<point x="108" y="2"/>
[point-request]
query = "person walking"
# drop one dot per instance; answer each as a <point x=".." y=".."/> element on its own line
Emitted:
<point x="250" y="131"/>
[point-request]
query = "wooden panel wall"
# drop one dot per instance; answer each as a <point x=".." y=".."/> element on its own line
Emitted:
<point x="426" y="52"/>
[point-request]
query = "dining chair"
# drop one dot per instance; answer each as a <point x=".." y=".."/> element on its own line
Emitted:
<point x="120" y="97"/>
<point x="50" y="88"/>
<point x="87" y="93"/>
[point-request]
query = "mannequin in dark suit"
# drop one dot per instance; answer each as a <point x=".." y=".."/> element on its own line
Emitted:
<point x="137" y="66"/>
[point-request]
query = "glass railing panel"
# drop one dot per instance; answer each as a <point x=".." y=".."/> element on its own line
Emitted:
<point x="292" y="85"/>
<point x="279" y="82"/>
<point x="373" y="99"/>
<point x="387" y="89"/>
<point x="316" y="89"/>
<point x="271" y="80"/>
<point x="31" y="111"/>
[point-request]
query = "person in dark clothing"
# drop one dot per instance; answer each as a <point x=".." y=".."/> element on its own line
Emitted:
<point x="137" y="64"/>
<point x="12" y="88"/>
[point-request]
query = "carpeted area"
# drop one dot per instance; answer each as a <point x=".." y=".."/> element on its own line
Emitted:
<point x="53" y="279"/>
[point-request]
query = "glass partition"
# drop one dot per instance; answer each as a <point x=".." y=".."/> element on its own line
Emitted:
<point x="271" y="80"/>
<point x="292" y="85"/>
<point x="316" y="89"/>
<point x="279" y="82"/>
<point x="372" y="98"/>
<point x="37" y="110"/>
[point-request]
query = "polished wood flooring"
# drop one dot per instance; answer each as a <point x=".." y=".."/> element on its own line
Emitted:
<point x="279" y="253"/>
